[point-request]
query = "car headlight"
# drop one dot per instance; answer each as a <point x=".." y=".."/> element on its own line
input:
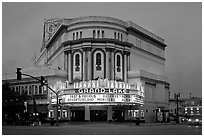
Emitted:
<point x="189" y="120"/>
<point x="197" y="120"/>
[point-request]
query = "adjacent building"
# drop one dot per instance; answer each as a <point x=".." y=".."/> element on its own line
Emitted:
<point x="105" y="69"/>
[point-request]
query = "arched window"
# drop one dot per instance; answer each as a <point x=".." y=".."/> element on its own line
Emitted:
<point x="80" y="34"/>
<point x="121" y="37"/>
<point x="114" y="35"/>
<point x="118" y="36"/>
<point x="98" y="61"/>
<point x="77" y="63"/>
<point x="73" y="36"/>
<point x="94" y="33"/>
<point x="98" y="34"/>
<point x="102" y="34"/>
<point x="118" y="63"/>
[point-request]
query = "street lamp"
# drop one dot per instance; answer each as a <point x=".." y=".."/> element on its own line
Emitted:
<point x="176" y="96"/>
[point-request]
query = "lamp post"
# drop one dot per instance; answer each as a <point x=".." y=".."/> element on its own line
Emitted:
<point x="176" y="96"/>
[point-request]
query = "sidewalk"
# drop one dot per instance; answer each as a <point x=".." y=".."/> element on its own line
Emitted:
<point x="108" y="124"/>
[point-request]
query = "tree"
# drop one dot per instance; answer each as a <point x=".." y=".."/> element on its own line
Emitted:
<point x="12" y="104"/>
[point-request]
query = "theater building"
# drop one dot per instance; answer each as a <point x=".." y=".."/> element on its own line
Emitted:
<point x="104" y="69"/>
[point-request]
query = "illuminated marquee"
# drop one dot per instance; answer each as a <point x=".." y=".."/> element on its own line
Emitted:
<point x="105" y="98"/>
<point x="101" y="90"/>
<point x="102" y="83"/>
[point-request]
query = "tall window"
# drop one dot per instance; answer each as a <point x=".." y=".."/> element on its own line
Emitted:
<point x="102" y="34"/>
<point x="98" y="61"/>
<point x="94" y="33"/>
<point x="114" y="35"/>
<point x="118" y="36"/>
<point x="73" y="36"/>
<point x="80" y="34"/>
<point x="77" y="64"/>
<point x="121" y="37"/>
<point x="98" y="34"/>
<point x="118" y="63"/>
<point x="36" y="90"/>
<point x="30" y="90"/>
<point x="26" y="90"/>
<point x="40" y="89"/>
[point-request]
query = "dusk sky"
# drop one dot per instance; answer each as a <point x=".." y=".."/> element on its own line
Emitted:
<point x="180" y="24"/>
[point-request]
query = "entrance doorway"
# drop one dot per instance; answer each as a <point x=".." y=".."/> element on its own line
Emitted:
<point x="118" y="115"/>
<point x="77" y="115"/>
<point x="98" y="115"/>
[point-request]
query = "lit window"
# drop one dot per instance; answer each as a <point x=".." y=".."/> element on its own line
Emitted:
<point x="77" y="64"/>
<point x="98" y="61"/>
<point x="142" y="113"/>
<point x="118" y="63"/>
<point x="64" y="113"/>
<point x="51" y="114"/>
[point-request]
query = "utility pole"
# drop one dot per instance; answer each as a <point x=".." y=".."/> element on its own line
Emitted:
<point x="176" y="96"/>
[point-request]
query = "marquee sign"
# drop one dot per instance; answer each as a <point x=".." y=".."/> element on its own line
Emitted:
<point x="105" y="98"/>
<point x="101" y="90"/>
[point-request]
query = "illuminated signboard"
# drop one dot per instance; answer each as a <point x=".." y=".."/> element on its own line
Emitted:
<point x="109" y="98"/>
<point x="101" y="90"/>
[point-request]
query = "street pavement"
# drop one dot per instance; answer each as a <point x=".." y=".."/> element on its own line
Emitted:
<point x="103" y="128"/>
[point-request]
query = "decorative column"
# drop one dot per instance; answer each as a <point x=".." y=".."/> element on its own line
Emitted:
<point x="128" y="61"/>
<point x="108" y="63"/>
<point x="89" y="64"/>
<point x="125" y="66"/>
<point x="65" y="61"/>
<point x="69" y="66"/>
<point x="84" y="65"/>
<point x="112" y="65"/>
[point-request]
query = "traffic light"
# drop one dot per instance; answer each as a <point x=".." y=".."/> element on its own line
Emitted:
<point x="19" y="74"/>
<point x="42" y="80"/>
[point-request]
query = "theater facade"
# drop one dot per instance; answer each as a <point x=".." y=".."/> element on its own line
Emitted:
<point x="103" y="69"/>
